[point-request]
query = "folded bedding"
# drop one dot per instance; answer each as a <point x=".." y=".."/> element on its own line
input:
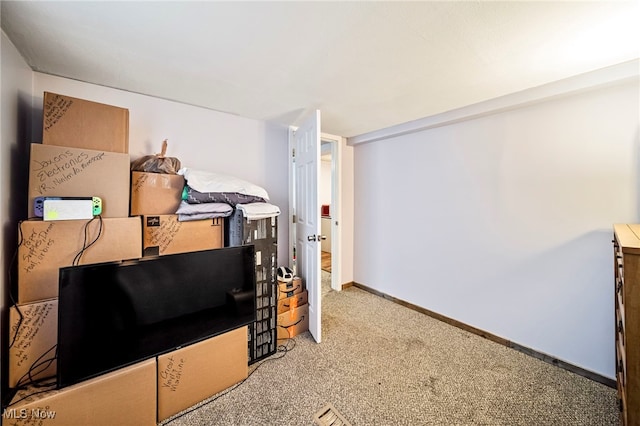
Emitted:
<point x="255" y="211"/>
<point x="192" y="196"/>
<point x="188" y="211"/>
<point x="210" y="182"/>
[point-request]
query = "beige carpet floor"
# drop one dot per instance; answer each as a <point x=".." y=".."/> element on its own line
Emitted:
<point x="383" y="364"/>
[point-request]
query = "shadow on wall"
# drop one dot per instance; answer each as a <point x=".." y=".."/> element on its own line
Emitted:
<point x="17" y="199"/>
<point x="37" y="111"/>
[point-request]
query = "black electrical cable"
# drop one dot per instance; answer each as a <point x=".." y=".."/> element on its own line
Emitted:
<point x="36" y="364"/>
<point x="40" y="364"/>
<point x="85" y="246"/>
<point x="36" y="383"/>
<point x="13" y="264"/>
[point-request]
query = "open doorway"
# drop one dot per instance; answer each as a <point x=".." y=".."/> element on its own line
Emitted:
<point x="329" y="191"/>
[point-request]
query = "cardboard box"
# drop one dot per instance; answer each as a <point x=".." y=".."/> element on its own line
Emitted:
<point x="57" y="171"/>
<point x="123" y="397"/>
<point x="289" y="289"/>
<point x="288" y="303"/>
<point x="165" y="234"/>
<point x="155" y="193"/>
<point x="79" y="123"/>
<point x="46" y="246"/>
<point x="293" y="322"/>
<point x="33" y="335"/>
<point x="191" y="374"/>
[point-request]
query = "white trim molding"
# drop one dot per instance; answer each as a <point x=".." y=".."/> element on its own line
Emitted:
<point x="591" y="80"/>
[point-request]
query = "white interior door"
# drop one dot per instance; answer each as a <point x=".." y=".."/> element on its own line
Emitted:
<point x="307" y="214"/>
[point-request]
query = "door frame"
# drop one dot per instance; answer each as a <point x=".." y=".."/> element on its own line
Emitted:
<point x="336" y="211"/>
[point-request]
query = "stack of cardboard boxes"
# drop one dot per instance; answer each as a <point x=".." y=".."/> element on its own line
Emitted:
<point x="293" y="308"/>
<point x="156" y="197"/>
<point x="84" y="153"/>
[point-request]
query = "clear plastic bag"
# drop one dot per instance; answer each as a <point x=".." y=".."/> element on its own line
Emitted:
<point x="157" y="163"/>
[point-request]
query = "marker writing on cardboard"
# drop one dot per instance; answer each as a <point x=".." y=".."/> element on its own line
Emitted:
<point x="37" y="246"/>
<point x="62" y="168"/>
<point x="171" y="374"/>
<point x="164" y="235"/>
<point x="140" y="182"/>
<point x="32" y="321"/>
<point x="61" y="160"/>
<point x="55" y="109"/>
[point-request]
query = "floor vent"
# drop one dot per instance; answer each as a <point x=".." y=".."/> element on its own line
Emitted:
<point x="329" y="416"/>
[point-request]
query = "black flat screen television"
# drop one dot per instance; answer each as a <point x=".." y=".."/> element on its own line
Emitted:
<point x="111" y="315"/>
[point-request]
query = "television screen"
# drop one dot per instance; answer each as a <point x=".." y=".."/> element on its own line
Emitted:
<point x="115" y="314"/>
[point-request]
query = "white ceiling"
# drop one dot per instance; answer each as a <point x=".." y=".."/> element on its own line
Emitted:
<point x="365" y="65"/>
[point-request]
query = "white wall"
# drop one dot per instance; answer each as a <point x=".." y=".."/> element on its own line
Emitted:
<point x="325" y="182"/>
<point x="201" y="139"/>
<point x="505" y="222"/>
<point x="324" y="186"/>
<point x="347" y="254"/>
<point x="15" y="101"/>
